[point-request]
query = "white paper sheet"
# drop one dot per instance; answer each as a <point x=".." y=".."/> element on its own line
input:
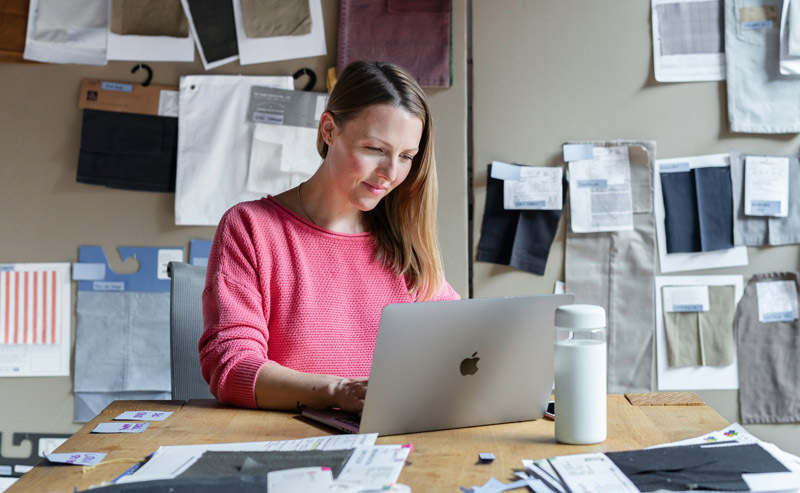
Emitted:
<point x="693" y="377"/>
<point x="592" y="472"/>
<point x="688" y="40"/>
<point x="600" y="191"/>
<point x="677" y="262"/>
<point x="766" y="186"/>
<point x="537" y="188"/>
<point x="61" y="32"/>
<point x="35" y="319"/>
<point x="272" y="49"/>
<point x="169" y="462"/>
<point x="777" y="301"/>
<point x="305" y="479"/>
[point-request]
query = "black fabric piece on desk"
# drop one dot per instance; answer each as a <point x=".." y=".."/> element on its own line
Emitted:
<point x="216" y="28"/>
<point x="714" y="207"/>
<point x="680" y="212"/>
<point x="519" y="238"/>
<point x="239" y="484"/>
<point x="128" y="151"/>
<point x="695" y="467"/>
<point x="220" y="464"/>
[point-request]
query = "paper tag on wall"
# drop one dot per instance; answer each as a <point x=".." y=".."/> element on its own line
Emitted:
<point x="536" y="188"/>
<point x="600" y="191"/>
<point x="766" y="186"/>
<point x="284" y="107"/>
<point x="165" y="256"/>
<point x="685" y="298"/>
<point x="777" y="301"/>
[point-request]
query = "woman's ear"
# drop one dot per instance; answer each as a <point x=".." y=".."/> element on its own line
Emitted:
<point x="327" y="125"/>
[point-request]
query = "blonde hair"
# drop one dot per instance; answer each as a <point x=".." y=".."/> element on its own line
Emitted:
<point x="404" y="222"/>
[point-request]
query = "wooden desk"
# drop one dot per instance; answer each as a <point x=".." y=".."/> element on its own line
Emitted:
<point x="441" y="461"/>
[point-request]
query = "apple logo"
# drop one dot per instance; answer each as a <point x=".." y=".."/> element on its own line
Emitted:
<point x="469" y="366"/>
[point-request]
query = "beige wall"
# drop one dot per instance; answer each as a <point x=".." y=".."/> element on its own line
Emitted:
<point x="548" y="72"/>
<point x="45" y="215"/>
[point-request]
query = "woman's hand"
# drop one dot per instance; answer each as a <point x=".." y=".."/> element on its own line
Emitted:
<point x="348" y="394"/>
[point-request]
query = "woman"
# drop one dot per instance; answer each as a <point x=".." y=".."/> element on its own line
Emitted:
<point x="296" y="282"/>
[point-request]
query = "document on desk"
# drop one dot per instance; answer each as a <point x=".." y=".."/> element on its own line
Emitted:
<point x="169" y="462"/>
<point x="688" y="40"/>
<point x="591" y="472"/>
<point x="600" y="191"/>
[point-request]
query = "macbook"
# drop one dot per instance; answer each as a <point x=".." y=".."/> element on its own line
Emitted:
<point x="452" y="364"/>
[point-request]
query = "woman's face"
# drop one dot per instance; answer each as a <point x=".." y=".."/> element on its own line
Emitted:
<point x="371" y="154"/>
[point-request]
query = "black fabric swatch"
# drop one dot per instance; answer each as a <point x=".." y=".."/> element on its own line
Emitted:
<point x="695" y="467"/>
<point x="680" y="212"/>
<point x="220" y="464"/>
<point x="216" y="28"/>
<point x="714" y="207"/>
<point x="128" y="151"/>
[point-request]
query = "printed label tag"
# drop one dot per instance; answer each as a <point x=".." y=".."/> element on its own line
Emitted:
<point x="116" y="86"/>
<point x="77" y="458"/>
<point x="536" y="188"/>
<point x="165" y="256"/>
<point x="144" y="415"/>
<point x="121" y="427"/>
<point x="686" y="298"/>
<point x="108" y="286"/>
<point x="168" y="103"/>
<point x="777" y="301"/>
<point x="766" y="186"/>
<point x="673" y="167"/>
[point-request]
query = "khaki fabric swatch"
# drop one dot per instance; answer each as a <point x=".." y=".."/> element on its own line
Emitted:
<point x="268" y="18"/>
<point x="703" y="338"/>
<point x="149" y="18"/>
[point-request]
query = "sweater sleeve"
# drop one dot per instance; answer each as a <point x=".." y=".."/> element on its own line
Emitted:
<point x="446" y="293"/>
<point x="233" y="347"/>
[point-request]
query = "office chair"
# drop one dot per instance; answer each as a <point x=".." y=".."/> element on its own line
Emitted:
<point x="185" y="328"/>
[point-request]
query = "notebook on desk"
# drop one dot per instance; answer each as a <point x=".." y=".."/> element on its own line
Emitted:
<point x="452" y="364"/>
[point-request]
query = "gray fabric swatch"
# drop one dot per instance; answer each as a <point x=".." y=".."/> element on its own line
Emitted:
<point x="769" y="360"/>
<point x="267" y="18"/>
<point x="219" y="464"/>
<point x="786" y="230"/>
<point x="122" y="343"/>
<point x="702" y="338"/>
<point x="616" y="270"/>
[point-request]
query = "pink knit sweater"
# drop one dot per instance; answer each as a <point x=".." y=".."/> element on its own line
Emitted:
<point x="281" y="290"/>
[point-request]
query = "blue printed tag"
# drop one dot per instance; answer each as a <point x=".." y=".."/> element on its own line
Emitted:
<point x="687" y="308"/>
<point x="778" y="317"/>
<point x="758" y="24"/>
<point x="673" y="167"/>
<point x="116" y="86"/>
<point x="108" y="286"/>
<point x="531" y="203"/>
<point x="272" y="118"/>
<point x="765" y="207"/>
<point x="592" y="183"/>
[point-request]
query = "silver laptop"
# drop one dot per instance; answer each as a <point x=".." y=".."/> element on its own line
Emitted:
<point x="451" y="364"/>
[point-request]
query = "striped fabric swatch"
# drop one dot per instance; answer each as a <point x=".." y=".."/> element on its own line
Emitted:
<point x="31" y="304"/>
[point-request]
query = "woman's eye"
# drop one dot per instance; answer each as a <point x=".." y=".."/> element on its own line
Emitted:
<point x="407" y="157"/>
<point x="375" y="149"/>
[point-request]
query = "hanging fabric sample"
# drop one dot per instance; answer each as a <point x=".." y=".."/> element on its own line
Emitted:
<point x="260" y="49"/>
<point x="786" y="230"/>
<point x="214" y="143"/>
<point x="414" y="35"/>
<point x="67" y="32"/>
<point x="519" y="238"/>
<point x="699" y="333"/>
<point x="616" y="270"/>
<point x="268" y="18"/>
<point x="698" y="208"/>
<point x="35" y="319"/>
<point x="122" y="348"/>
<point x="747" y="230"/>
<point x="13" y="23"/>
<point x="214" y="31"/>
<point x="759" y="99"/>
<point x="768" y="348"/>
<point x="129" y="136"/>
<point x="149" y="18"/>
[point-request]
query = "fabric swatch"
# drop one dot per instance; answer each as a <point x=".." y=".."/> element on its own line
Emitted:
<point x="415" y="36"/>
<point x="268" y="18"/>
<point x="680" y="212"/>
<point x="215" y="27"/>
<point x="128" y="151"/>
<point x="67" y="32"/>
<point x="786" y="230"/>
<point x="519" y="238"/>
<point x="213" y="464"/>
<point x="747" y="230"/>
<point x="149" y="18"/>
<point x="703" y="338"/>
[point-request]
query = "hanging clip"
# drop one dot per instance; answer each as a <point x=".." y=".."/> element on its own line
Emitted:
<point x="312" y="77"/>
<point x="149" y="72"/>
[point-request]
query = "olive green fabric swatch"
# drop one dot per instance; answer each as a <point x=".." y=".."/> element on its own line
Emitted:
<point x="149" y="18"/>
<point x="268" y="18"/>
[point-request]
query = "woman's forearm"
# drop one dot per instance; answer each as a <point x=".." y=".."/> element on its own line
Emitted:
<point x="278" y="387"/>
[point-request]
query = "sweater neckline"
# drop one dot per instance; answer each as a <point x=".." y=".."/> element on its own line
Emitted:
<point x="296" y="217"/>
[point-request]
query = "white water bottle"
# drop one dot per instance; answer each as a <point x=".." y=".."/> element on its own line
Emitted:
<point x="580" y="374"/>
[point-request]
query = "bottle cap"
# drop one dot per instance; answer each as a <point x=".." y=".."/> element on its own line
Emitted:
<point x="580" y="317"/>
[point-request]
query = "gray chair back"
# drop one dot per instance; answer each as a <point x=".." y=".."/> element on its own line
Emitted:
<point x="186" y="327"/>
